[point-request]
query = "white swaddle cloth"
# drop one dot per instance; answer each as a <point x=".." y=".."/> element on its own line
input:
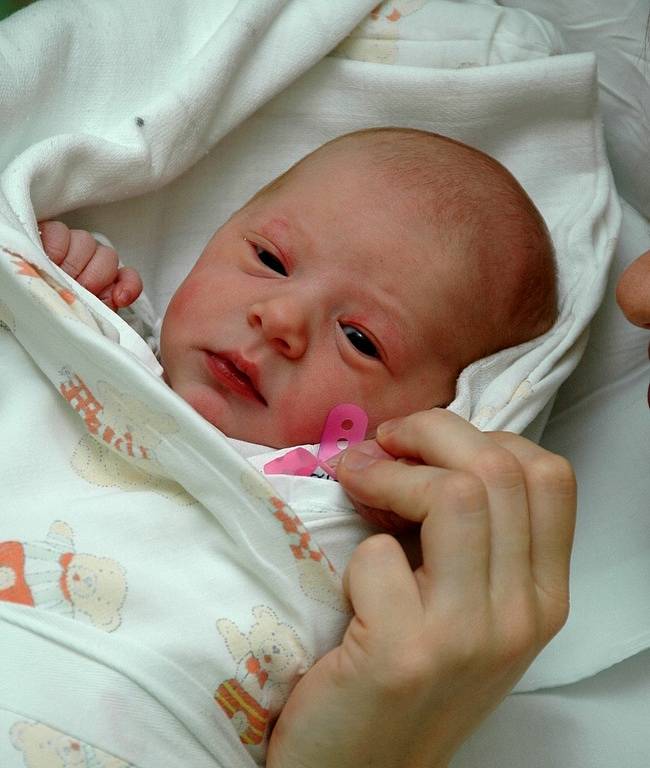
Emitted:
<point x="164" y="568"/>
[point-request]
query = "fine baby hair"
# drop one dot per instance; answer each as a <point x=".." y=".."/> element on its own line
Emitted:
<point x="481" y="206"/>
<point x="385" y="247"/>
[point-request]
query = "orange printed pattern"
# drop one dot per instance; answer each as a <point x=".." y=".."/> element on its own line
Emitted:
<point x="270" y="658"/>
<point x="13" y="587"/>
<point x="10" y="252"/>
<point x="29" y="270"/>
<point x="233" y="700"/>
<point x="317" y="576"/>
<point x="24" y="267"/>
<point x="80" y="397"/>
<point x="398" y="9"/>
<point x="49" y="574"/>
<point x="301" y="542"/>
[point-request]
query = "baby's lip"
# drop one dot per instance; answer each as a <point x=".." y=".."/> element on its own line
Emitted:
<point x="245" y="370"/>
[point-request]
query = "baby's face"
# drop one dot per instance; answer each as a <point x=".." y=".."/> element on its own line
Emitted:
<point x="319" y="292"/>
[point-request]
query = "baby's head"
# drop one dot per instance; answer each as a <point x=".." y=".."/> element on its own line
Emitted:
<point x="373" y="271"/>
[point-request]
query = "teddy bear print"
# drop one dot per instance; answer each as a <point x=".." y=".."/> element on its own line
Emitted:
<point x="51" y="576"/>
<point x="100" y="466"/>
<point x="317" y="577"/>
<point x="118" y="421"/>
<point x="375" y="38"/>
<point x="43" y="747"/>
<point x="270" y="659"/>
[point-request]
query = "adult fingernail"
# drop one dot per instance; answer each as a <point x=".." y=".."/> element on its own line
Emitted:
<point x="356" y="460"/>
<point x="388" y="426"/>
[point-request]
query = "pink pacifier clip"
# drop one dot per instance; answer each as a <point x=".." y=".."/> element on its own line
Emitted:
<point x="345" y="425"/>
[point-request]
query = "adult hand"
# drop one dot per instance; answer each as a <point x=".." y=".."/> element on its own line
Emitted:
<point x="430" y="653"/>
<point x="633" y="291"/>
<point x="633" y="295"/>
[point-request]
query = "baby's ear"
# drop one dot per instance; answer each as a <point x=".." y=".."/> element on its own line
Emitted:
<point x="237" y="642"/>
<point x="61" y="530"/>
<point x="265" y="615"/>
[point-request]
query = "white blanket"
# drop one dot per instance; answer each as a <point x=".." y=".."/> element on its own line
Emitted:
<point x="159" y="563"/>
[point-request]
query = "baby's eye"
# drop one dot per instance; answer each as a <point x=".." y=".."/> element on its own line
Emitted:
<point x="360" y="341"/>
<point x="270" y="261"/>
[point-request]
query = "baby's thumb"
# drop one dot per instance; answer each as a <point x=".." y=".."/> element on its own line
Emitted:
<point x="127" y="287"/>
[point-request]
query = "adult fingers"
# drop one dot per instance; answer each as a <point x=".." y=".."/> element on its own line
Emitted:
<point x="382" y="518"/>
<point x="441" y="438"/>
<point x="379" y="583"/>
<point x="633" y="290"/>
<point x="552" y="495"/>
<point x="55" y="237"/>
<point x="100" y="271"/>
<point x="127" y="288"/>
<point x="455" y="534"/>
<point x="382" y="484"/>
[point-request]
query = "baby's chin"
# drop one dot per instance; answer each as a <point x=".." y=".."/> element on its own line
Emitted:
<point x="262" y="430"/>
<point x="267" y="436"/>
<point x="266" y="432"/>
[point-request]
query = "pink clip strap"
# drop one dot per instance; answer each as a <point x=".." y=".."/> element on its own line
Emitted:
<point x="297" y="462"/>
<point x="345" y="425"/>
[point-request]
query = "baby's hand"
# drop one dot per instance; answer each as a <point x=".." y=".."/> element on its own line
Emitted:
<point x="91" y="264"/>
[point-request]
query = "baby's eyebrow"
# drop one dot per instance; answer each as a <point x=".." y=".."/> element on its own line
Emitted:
<point x="392" y="329"/>
<point x="278" y="231"/>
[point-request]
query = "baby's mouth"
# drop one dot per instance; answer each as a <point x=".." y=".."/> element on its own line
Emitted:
<point x="237" y="373"/>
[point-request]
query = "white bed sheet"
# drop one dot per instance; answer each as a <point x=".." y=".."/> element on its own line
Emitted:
<point x="601" y="722"/>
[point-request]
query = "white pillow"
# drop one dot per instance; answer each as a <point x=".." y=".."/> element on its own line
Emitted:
<point x="618" y="33"/>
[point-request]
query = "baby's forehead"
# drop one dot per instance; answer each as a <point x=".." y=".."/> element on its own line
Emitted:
<point x="409" y="193"/>
<point x="407" y="181"/>
<point x="378" y="229"/>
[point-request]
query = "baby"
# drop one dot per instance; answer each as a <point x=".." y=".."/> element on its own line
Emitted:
<point x="373" y="271"/>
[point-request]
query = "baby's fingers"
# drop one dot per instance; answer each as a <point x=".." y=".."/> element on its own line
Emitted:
<point x="81" y="250"/>
<point x="100" y="271"/>
<point x="127" y="288"/>
<point x="55" y="237"/>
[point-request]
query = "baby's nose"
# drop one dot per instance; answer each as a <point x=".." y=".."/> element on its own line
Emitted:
<point x="284" y="324"/>
<point x="633" y="291"/>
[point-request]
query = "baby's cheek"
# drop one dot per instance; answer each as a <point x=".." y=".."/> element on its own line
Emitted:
<point x="185" y="298"/>
<point x="301" y="418"/>
<point x="175" y="325"/>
